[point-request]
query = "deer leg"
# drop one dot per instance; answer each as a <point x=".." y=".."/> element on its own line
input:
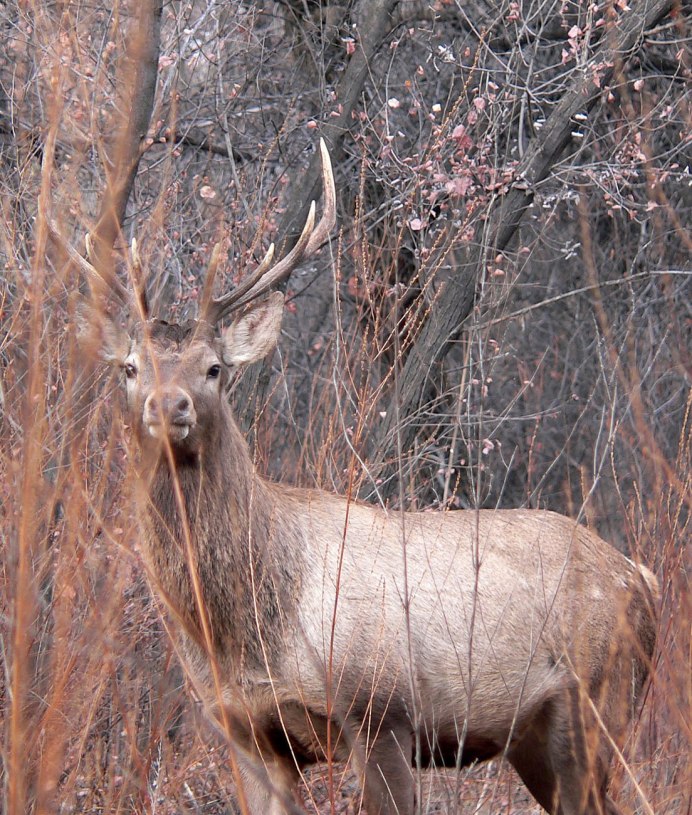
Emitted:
<point x="268" y="784"/>
<point x="562" y="762"/>
<point x="531" y="760"/>
<point x="385" y="769"/>
<point x="582" y="792"/>
<point x="580" y="759"/>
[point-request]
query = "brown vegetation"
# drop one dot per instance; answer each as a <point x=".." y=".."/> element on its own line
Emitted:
<point x="444" y="354"/>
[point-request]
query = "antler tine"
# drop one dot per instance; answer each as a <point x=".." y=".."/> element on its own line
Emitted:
<point x="206" y="300"/>
<point x="267" y="276"/>
<point x="141" y="301"/>
<point x="328" y="219"/>
<point x="264" y="277"/>
<point x="211" y="309"/>
<point x="91" y="273"/>
<point x="278" y="272"/>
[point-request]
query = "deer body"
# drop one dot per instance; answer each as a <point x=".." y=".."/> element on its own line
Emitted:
<point x="316" y="627"/>
<point x="473" y="631"/>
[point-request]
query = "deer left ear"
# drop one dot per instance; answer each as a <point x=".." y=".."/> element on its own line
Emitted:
<point x="255" y="334"/>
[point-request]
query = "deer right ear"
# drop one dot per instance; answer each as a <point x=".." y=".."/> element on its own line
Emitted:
<point x="99" y="335"/>
<point x="255" y="334"/>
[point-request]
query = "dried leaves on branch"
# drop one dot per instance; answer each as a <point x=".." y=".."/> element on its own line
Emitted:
<point x="501" y="319"/>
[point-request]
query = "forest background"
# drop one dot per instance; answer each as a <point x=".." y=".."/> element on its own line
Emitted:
<point x="502" y="320"/>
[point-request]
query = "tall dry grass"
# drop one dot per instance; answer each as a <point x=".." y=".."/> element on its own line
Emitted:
<point x="95" y="712"/>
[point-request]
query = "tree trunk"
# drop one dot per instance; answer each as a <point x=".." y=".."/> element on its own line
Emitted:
<point x="397" y="432"/>
<point x="307" y="186"/>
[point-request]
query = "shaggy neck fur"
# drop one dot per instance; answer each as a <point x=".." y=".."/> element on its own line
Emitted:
<point x="237" y="534"/>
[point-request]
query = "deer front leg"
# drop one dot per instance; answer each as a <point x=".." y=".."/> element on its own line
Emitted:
<point x="385" y="769"/>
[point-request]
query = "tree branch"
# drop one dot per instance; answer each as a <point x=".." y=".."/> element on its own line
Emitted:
<point x="372" y="31"/>
<point x="397" y="432"/>
<point x="307" y="186"/>
<point x="138" y="84"/>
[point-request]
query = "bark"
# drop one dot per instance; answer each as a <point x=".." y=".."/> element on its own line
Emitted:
<point x="307" y="186"/>
<point x="138" y="83"/>
<point x="397" y="432"/>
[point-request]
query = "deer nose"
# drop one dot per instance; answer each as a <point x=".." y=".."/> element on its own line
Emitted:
<point x="171" y="406"/>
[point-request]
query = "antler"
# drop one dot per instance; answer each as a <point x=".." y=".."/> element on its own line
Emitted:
<point x="136" y="297"/>
<point x="265" y="275"/>
<point x="140" y="300"/>
<point x="90" y="272"/>
<point x="106" y="283"/>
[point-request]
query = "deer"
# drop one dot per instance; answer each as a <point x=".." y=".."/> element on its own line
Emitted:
<point x="316" y="627"/>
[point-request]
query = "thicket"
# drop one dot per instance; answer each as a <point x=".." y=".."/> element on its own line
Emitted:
<point x="503" y="319"/>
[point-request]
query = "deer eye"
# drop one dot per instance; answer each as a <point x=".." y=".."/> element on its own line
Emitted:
<point x="214" y="372"/>
<point x="130" y="370"/>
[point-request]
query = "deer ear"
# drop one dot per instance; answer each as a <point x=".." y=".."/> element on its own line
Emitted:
<point x="98" y="334"/>
<point x="255" y="334"/>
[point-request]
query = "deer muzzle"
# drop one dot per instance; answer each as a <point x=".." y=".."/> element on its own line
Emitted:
<point x="169" y="413"/>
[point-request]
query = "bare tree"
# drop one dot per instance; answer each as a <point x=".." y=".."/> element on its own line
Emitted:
<point x="502" y="322"/>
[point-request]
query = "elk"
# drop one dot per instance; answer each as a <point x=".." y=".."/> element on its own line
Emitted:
<point x="317" y="628"/>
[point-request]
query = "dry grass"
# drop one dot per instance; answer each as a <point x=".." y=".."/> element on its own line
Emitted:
<point x="95" y="712"/>
<point x="96" y="715"/>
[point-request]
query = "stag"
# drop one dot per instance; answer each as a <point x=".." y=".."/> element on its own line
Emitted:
<point x="318" y="628"/>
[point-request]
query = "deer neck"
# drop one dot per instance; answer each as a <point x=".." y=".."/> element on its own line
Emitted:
<point x="215" y="514"/>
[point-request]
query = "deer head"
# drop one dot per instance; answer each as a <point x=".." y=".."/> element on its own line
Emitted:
<point x="175" y="372"/>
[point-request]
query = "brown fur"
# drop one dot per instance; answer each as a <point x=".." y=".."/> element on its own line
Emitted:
<point x="513" y="620"/>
